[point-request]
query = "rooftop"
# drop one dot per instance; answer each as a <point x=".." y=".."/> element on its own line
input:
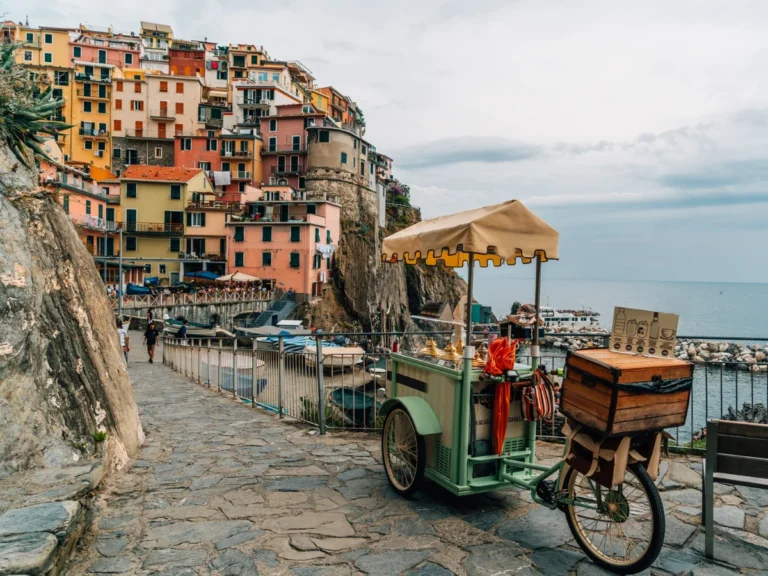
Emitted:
<point x="159" y="174"/>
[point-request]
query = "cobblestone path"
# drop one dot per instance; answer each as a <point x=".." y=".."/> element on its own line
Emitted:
<point x="221" y="488"/>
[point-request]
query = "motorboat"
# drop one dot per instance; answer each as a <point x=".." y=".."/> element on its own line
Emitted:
<point x="335" y="357"/>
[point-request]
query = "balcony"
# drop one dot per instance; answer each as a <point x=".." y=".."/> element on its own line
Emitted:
<point x="214" y="205"/>
<point x="91" y="95"/>
<point x="249" y="121"/>
<point x="235" y="176"/>
<point x="163" y="115"/>
<point x="285" y="149"/>
<point x="287" y="170"/>
<point x="255" y="103"/>
<point x="150" y="135"/>
<point x="94" y="133"/>
<point x="81" y="77"/>
<point x="151" y="57"/>
<point x="236" y="154"/>
<point x="94" y="223"/>
<point x="153" y="228"/>
<point x="213" y="123"/>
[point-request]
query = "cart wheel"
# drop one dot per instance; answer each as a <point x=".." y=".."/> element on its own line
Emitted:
<point x="404" y="452"/>
<point x="621" y="529"/>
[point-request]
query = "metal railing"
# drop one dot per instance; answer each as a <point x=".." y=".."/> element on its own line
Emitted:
<point x="94" y="222"/>
<point x="240" y="175"/>
<point x="236" y="153"/>
<point x="153" y="227"/>
<point x="94" y="133"/>
<point x="179" y="299"/>
<point x="92" y="94"/>
<point x="163" y="113"/>
<point x="292" y="168"/>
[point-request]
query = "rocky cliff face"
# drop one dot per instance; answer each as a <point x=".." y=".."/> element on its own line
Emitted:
<point x="363" y="286"/>
<point x="62" y="376"/>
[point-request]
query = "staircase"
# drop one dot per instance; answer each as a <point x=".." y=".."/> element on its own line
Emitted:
<point x="277" y="311"/>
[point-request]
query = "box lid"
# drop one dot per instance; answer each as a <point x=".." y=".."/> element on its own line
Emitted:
<point x="627" y="368"/>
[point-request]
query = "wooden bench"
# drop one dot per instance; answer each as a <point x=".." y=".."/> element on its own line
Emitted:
<point x="737" y="454"/>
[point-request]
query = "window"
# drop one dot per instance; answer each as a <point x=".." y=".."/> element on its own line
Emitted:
<point x="238" y="61"/>
<point x="221" y="75"/>
<point x="328" y="239"/>
<point x="239" y="258"/>
<point x="87" y="206"/>
<point x="239" y="233"/>
<point x="119" y="86"/>
<point x="137" y="105"/>
<point x="179" y="87"/>
<point x="225" y="167"/>
<point x="175" y="188"/>
<point x="27" y="55"/>
<point x="343" y="157"/>
<point x="363" y="149"/>
<point x="179" y="107"/>
<point x="325" y="136"/>
<point x="163" y="86"/>
<point x="354" y="144"/>
<point x="148" y="268"/>
<point x="66" y="204"/>
<point x="129" y="58"/>
<point x="160" y="267"/>
<point x="89" y="144"/>
<point x="266" y="234"/>
<point x="275" y="77"/>
<point x="211" y="145"/>
<point x="116" y="152"/>
<point x="272" y="144"/>
<point x="49" y="38"/>
<point x="131" y="157"/>
<point x="362" y="168"/>
<point x="263" y="77"/>
<point x="308" y="122"/>
<point x="179" y="129"/>
<point x="47" y="57"/>
<point x="241" y="186"/>
<point x="273" y="125"/>
<point x="266" y="258"/>
<point x="158" y="152"/>
<point x="118" y="125"/>
<point x="295" y="233"/>
<point x="118" y="104"/>
<point x="130" y="190"/>
<point x="30" y="37"/>
<point x="297" y="142"/>
<point x="295" y="260"/>
<point x="102" y="146"/>
<point x="101" y="211"/>
<point x="204" y="166"/>
<point x="175" y="245"/>
<point x="254" y="59"/>
<point x="130" y="243"/>
<point x="317" y="261"/>
<point x="137" y="87"/>
<point x="186" y="143"/>
<point x="196" y="219"/>
<point x="302" y="182"/>
<point x="102" y="107"/>
<point x="317" y="231"/>
<point x="61" y="78"/>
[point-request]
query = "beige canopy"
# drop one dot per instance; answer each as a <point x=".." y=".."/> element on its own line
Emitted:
<point x="492" y="234"/>
<point x="237" y="277"/>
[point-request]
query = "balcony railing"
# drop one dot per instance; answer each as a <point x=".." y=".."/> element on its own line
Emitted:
<point x="213" y="122"/>
<point x="255" y="102"/>
<point x="236" y="154"/>
<point x="296" y="168"/>
<point x="89" y="221"/>
<point x="213" y="205"/>
<point x="162" y="114"/>
<point x="94" y="95"/>
<point x="94" y="133"/>
<point x="274" y="149"/>
<point x="72" y="184"/>
<point x="241" y="175"/>
<point x="249" y="121"/>
<point x="153" y="227"/>
<point x="81" y="77"/>
<point x="100" y="60"/>
<point x="153" y="134"/>
<point x="150" y="57"/>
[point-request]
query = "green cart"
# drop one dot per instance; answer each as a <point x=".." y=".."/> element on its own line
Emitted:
<point x="436" y="416"/>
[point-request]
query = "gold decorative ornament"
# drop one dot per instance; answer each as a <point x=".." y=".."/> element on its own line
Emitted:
<point x="451" y="353"/>
<point x="430" y="349"/>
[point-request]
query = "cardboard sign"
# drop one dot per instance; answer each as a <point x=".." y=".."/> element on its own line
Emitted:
<point x="484" y="416"/>
<point x="644" y="332"/>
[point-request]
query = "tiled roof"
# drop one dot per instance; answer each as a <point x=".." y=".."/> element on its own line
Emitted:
<point x="159" y="173"/>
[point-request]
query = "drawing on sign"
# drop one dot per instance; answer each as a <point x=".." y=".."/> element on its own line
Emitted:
<point x="644" y="332"/>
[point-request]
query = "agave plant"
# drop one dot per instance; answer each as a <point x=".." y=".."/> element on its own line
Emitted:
<point x="24" y="111"/>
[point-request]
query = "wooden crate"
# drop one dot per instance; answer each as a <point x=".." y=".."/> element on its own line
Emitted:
<point x="597" y="391"/>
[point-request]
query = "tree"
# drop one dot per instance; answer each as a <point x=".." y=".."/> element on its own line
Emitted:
<point x="25" y="111"/>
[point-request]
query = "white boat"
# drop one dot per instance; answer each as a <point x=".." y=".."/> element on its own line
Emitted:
<point x="334" y="358"/>
<point x="569" y="319"/>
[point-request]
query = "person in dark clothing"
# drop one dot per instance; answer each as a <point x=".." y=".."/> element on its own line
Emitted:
<point x="150" y="339"/>
<point x="183" y="331"/>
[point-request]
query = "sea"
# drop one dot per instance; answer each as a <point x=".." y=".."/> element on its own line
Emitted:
<point x="708" y="309"/>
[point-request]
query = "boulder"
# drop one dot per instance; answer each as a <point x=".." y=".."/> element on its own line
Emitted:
<point x="62" y="375"/>
<point x="691" y="351"/>
<point x="698" y="360"/>
<point x="704" y="353"/>
<point x="760" y="356"/>
<point x="704" y="346"/>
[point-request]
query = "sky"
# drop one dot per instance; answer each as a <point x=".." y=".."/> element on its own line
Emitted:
<point x="639" y="130"/>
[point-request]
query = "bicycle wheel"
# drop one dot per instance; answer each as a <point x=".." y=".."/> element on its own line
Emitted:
<point x="404" y="452"/>
<point x="623" y="529"/>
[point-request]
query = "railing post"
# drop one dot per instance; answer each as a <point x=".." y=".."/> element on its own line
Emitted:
<point x="218" y="368"/>
<point x="208" y="364"/>
<point x="199" y="361"/>
<point x="234" y="369"/>
<point x="253" y="374"/>
<point x="280" y="375"/>
<point x="320" y="384"/>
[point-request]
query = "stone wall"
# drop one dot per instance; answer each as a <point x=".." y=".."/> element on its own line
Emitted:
<point x="62" y="375"/>
<point x="356" y="199"/>
<point x="145" y="148"/>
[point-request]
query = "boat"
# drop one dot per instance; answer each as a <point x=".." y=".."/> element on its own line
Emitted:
<point x="194" y="329"/>
<point x="359" y="408"/>
<point x="334" y="357"/>
<point x="265" y="336"/>
<point x="569" y="319"/>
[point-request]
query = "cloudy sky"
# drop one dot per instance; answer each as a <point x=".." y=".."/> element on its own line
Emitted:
<point x="637" y="129"/>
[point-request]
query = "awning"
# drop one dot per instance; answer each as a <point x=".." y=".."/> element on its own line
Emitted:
<point x="222" y="178"/>
<point x="493" y="234"/>
<point x="203" y="275"/>
<point x="237" y="277"/>
<point x="325" y="249"/>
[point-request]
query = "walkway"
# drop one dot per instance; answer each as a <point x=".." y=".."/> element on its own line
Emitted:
<point x="221" y="488"/>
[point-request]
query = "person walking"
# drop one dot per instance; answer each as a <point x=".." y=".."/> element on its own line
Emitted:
<point x="124" y="340"/>
<point x="150" y="339"/>
<point x="182" y="333"/>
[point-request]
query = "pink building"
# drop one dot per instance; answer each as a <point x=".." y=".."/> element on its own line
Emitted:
<point x="284" y="151"/>
<point x="106" y="48"/>
<point x="285" y="238"/>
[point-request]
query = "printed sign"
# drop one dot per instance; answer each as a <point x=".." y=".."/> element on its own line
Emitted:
<point x="644" y="332"/>
<point x="484" y="418"/>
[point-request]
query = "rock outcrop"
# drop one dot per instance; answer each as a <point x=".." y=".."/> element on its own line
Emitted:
<point x="62" y="377"/>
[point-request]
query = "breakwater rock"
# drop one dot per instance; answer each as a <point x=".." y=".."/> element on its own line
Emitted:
<point x="565" y="343"/>
<point x="752" y="357"/>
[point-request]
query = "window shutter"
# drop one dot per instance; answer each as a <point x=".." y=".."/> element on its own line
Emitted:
<point x="118" y="104"/>
<point x="202" y="219"/>
<point x="317" y="234"/>
<point x="189" y="218"/>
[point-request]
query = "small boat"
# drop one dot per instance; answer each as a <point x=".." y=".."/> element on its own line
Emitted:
<point x="359" y="408"/>
<point x="194" y="329"/>
<point x="334" y="357"/>
<point x="263" y="334"/>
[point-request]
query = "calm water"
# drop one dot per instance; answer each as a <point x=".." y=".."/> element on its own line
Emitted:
<point x="715" y="309"/>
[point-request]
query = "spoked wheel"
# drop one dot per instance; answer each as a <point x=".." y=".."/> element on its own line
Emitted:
<point x="621" y="529"/>
<point x="404" y="452"/>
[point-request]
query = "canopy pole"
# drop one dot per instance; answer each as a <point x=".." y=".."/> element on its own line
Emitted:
<point x="535" y="358"/>
<point x="466" y="385"/>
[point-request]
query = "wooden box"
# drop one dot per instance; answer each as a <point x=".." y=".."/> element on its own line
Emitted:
<point x="617" y="394"/>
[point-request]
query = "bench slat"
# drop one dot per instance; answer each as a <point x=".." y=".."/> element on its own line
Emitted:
<point x="742" y="466"/>
<point x="740" y="480"/>
<point x="747" y="429"/>
<point x="742" y="446"/>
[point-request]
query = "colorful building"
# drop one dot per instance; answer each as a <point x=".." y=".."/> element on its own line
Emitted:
<point x="187" y="58"/>
<point x="253" y="100"/>
<point x="153" y="204"/>
<point x="155" y="41"/>
<point x="283" y="236"/>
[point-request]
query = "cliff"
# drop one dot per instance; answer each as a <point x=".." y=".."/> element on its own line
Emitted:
<point x="62" y="376"/>
<point x="362" y="286"/>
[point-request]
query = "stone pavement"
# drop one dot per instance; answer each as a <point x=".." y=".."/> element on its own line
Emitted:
<point x="221" y="488"/>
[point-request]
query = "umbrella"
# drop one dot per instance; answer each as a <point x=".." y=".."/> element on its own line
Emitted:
<point x="237" y="277"/>
<point x="202" y="275"/>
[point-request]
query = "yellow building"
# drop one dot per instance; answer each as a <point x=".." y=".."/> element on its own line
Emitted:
<point x="320" y="101"/>
<point x="153" y="203"/>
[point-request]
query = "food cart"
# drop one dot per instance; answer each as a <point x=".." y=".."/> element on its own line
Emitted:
<point x="438" y="410"/>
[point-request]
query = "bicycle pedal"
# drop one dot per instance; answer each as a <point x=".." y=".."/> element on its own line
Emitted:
<point x="546" y="491"/>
